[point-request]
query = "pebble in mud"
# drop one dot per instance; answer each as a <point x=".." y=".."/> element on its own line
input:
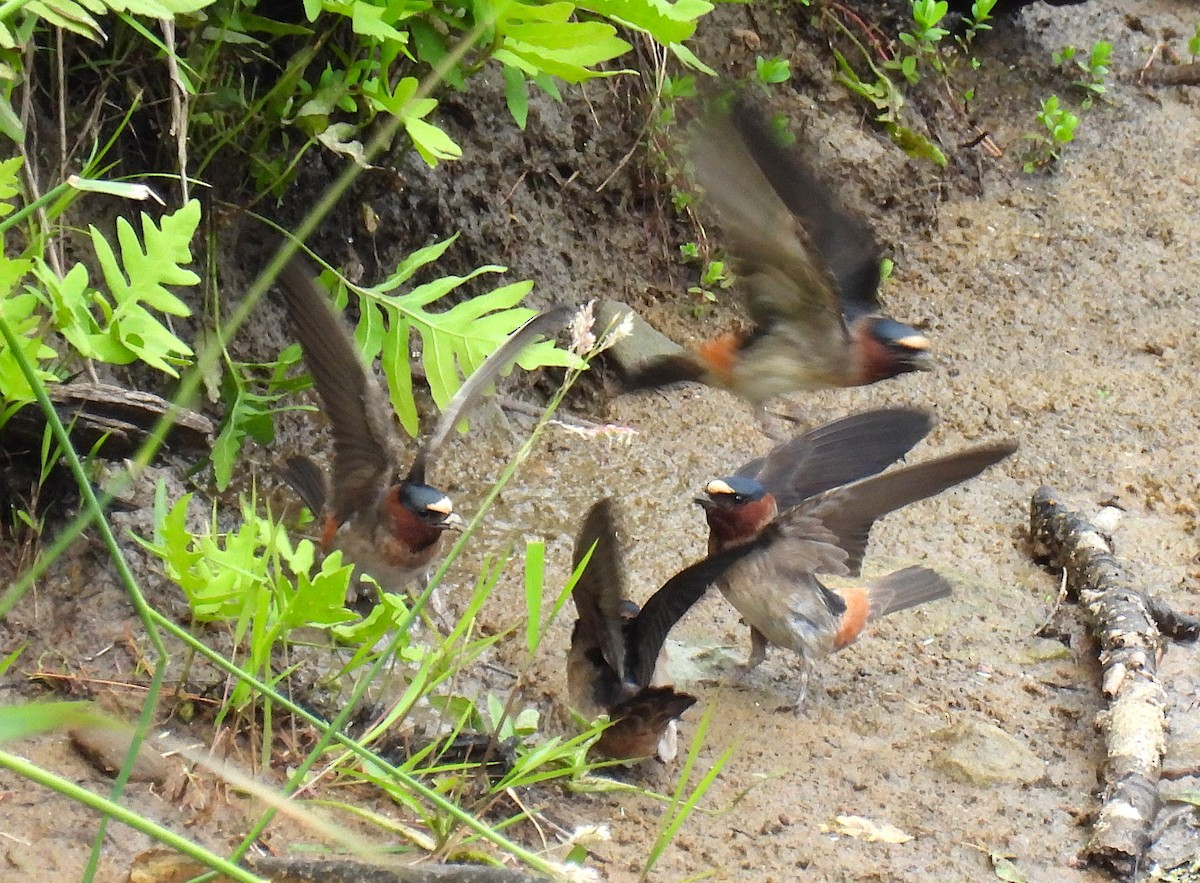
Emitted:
<point x="978" y="753"/>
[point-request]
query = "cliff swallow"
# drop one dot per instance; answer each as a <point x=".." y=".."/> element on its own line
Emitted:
<point x="385" y="520"/>
<point x="612" y="666"/>
<point x="808" y="274"/>
<point x="776" y="589"/>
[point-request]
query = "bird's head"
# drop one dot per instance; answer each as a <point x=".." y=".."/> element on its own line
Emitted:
<point x="421" y="513"/>
<point x="888" y="348"/>
<point x="736" y="508"/>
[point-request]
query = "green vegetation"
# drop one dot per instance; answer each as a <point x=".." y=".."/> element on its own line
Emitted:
<point x="771" y="71"/>
<point x="1092" y="67"/>
<point x="867" y="78"/>
<point x="1058" y="129"/>
<point x="247" y="94"/>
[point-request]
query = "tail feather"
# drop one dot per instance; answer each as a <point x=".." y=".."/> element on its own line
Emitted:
<point x="664" y="371"/>
<point x="906" y="588"/>
<point x="308" y="480"/>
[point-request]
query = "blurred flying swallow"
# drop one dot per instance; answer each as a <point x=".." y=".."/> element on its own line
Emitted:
<point x="776" y="589"/>
<point x="384" y="519"/>
<point x="808" y="275"/>
<point x="614" y="656"/>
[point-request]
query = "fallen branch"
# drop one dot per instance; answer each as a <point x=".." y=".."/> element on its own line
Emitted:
<point x="117" y="419"/>
<point x="1119" y="617"/>
<point x="1174" y="75"/>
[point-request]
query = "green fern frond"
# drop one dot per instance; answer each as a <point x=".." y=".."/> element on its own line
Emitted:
<point x="453" y="342"/>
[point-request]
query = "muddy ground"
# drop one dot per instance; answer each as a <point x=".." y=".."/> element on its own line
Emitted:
<point x="1063" y="310"/>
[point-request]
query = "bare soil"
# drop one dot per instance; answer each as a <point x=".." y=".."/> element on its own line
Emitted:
<point x="1063" y="310"/>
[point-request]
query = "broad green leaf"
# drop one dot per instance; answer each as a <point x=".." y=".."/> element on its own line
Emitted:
<point x="567" y="50"/>
<point x="455" y="341"/>
<point x="19" y="313"/>
<point x="431" y="142"/>
<point x="149" y="8"/>
<point x="69" y="16"/>
<point x="397" y="369"/>
<point x="9" y="169"/>
<point x="688" y="59"/>
<point x="666" y="22"/>
<point x="10" y="126"/>
<point x="138" y="280"/>
<point x="516" y="96"/>
<point x="430" y="48"/>
<point x="368" y="22"/>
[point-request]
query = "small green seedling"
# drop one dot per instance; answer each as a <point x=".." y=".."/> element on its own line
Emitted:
<point x="1093" y="67"/>
<point x="1059" y="125"/>
<point x="924" y="40"/>
<point x="981" y="14"/>
<point x="772" y="70"/>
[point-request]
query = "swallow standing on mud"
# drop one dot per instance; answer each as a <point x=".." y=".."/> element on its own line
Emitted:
<point x="386" y="521"/>
<point x="808" y="274"/>
<point x="611" y="666"/>
<point x="776" y="589"/>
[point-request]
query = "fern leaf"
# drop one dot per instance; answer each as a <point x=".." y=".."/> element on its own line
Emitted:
<point x="454" y="342"/>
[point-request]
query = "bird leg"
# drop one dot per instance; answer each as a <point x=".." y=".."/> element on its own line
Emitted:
<point x="758" y="649"/>
<point x="797" y="707"/>
<point x="776" y="425"/>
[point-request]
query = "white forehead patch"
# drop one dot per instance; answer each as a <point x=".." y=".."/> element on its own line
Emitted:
<point x="443" y="506"/>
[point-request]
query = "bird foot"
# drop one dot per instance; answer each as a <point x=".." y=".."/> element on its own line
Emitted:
<point x="776" y="425"/>
<point x="742" y="672"/>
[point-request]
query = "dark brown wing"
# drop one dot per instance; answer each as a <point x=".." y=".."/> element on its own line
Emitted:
<point x="644" y="636"/>
<point x="780" y="277"/>
<point x="849" y="512"/>
<point x="800" y="259"/>
<point x="471" y="393"/>
<point x="364" y="441"/>
<point x="600" y="589"/>
<point x="838" y="453"/>
<point x="842" y="242"/>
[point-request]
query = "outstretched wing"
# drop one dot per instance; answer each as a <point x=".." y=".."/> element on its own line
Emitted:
<point x="838" y="453"/>
<point x="365" y="447"/>
<point x="801" y="259"/>
<point x="849" y="512"/>
<point x="600" y="589"/>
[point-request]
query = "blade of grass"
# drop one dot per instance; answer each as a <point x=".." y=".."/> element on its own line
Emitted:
<point x="681" y="809"/>
<point x="143" y="609"/>
<point x="111" y="809"/>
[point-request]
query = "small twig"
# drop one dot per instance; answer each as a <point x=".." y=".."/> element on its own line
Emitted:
<point x="1175" y="625"/>
<point x="873" y="34"/>
<point x="179" y="99"/>
<point x="1154" y="54"/>
<point x="1054" y="608"/>
<point x="513" y="189"/>
<point x="508" y="403"/>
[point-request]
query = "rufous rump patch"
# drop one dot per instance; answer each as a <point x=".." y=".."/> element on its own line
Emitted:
<point x="858" y="609"/>
<point x="720" y="354"/>
<point x="328" y="532"/>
